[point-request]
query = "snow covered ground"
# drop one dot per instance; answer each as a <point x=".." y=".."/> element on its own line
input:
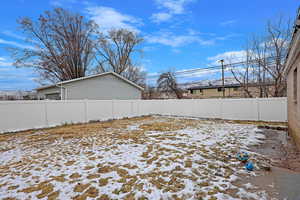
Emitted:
<point x="141" y="158"/>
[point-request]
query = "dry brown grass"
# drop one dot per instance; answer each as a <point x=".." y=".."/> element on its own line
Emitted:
<point x="93" y="176"/>
<point x="106" y="136"/>
<point x="258" y="123"/>
<point x="10" y="198"/>
<point x="13" y="187"/>
<point x="34" y="188"/>
<point x="53" y="195"/>
<point x="162" y="126"/>
<point x="60" y="178"/>
<point x="81" y="187"/>
<point x="104" y="197"/>
<point x="92" y="192"/>
<point x="103" y="181"/>
<point x="75" y="176"/>
<point x="46" y="190"/>
<point x="71" y="131"/>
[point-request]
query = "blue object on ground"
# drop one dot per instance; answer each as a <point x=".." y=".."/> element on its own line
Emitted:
<point x="249" y="166"/>
<point x="243" y="156"/>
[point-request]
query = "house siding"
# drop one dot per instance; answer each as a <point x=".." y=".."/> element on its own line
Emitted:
<point x="294" y="106"/>
<point x="293" y="63"/>
<point x="104" y="87"/>
<point x="229" y="92"/>
<point x="42" y="93"/>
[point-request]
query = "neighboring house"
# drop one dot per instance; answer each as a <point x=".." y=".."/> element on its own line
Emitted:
<point x="103" y="86"/>
<point x="158" y="95"/>
<point x="17" y="95"/>
<point x="231" y="90"/>
<point x="292" y="72"/>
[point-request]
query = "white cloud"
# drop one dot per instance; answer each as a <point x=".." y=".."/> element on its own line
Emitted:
<point x="5" y="65"/>
<point x="228" y="22"/>
<point x="174" y="6"/>
<point x="161" y="17"/>
<point x="108" y="18"/>
<point x="56" y="3"/>
<point x="149" y="48"/>
<point x="61" y="3"/>
<point x="13" y="35"/>
<point x="226" y="37"/>
<point x="196" y="73"/>
<point x="170" y="39"/>
<point x="171" y="8"/>
<point x="16" y="44"/>
<point x="191" y="36"/>
<point x="176" y="51"/>
<point x="229" y="56"/>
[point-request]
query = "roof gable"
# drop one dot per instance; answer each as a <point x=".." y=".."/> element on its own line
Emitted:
<point x="92" y="76"/>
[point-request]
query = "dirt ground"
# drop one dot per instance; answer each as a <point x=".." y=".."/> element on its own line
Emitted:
<point x="283" y="179"/>
<point x="152" y="157"/>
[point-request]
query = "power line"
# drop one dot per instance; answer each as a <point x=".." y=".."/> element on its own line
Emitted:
<point x="231" y="65"/>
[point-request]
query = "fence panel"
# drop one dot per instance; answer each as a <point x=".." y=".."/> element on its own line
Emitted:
<point x="207" y="108"/>
<point x="99" y="110"/>
<point x="272" y="109"/>
<point x="148" y="107"/>
<point x="60" y="112"/>
<point x="239" y="109"/>
<point x="22" y="115"/>
<point x="136" y="108"/>
<point x="122" y="108"/>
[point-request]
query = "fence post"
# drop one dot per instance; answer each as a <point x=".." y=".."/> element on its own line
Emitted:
<point x="138" y="107"/>
<point x="131" y="106"/>
<point x="112" y="109"/>
<point x="258" y="109"/>
<point x="195" y="108"/>
<point x="86" y="110"/>
<point x="46" y="112"/>
<point x="221" y="107"/>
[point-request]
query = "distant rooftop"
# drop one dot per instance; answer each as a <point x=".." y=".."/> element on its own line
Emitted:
<point x="235" y="85"/>
<point x="88" y="77"/>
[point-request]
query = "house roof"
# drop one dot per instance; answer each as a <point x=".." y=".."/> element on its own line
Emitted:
<point x="91" y="76"/>
<point x="214" y="86"/>
<point x="235" y="85"/>
<point x="292" y="43"/>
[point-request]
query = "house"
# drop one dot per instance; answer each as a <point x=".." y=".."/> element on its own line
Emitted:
<point x="104" y="86"/>
<point x="156" y="94"/>
<point x="292" y="73"/>
<point x="231" y="90"/>
<point x="17" y="95"/>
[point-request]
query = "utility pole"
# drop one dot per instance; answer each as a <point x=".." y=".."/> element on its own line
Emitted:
<point x="223" y="81"/>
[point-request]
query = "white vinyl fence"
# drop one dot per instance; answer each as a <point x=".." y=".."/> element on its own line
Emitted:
<point x="22" y="115"/>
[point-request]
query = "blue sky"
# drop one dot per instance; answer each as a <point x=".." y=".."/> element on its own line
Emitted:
<point x="179" y="34"/>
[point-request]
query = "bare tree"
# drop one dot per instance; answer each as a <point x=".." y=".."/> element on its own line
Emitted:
<point x="242" y="74"/>
<point x="136" y="75"/>
<point x="115" y="52"/>
<point x="257" y="56"/>
<point x="265" y="57"/>
<point x="277" y="42"/>
<point x="167" y="83"/>
<point x="149" y="92"/>
<point x="62" y="47"/>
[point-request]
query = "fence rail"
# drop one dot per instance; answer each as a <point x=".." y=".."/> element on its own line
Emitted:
<point x="23" y="115"/>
